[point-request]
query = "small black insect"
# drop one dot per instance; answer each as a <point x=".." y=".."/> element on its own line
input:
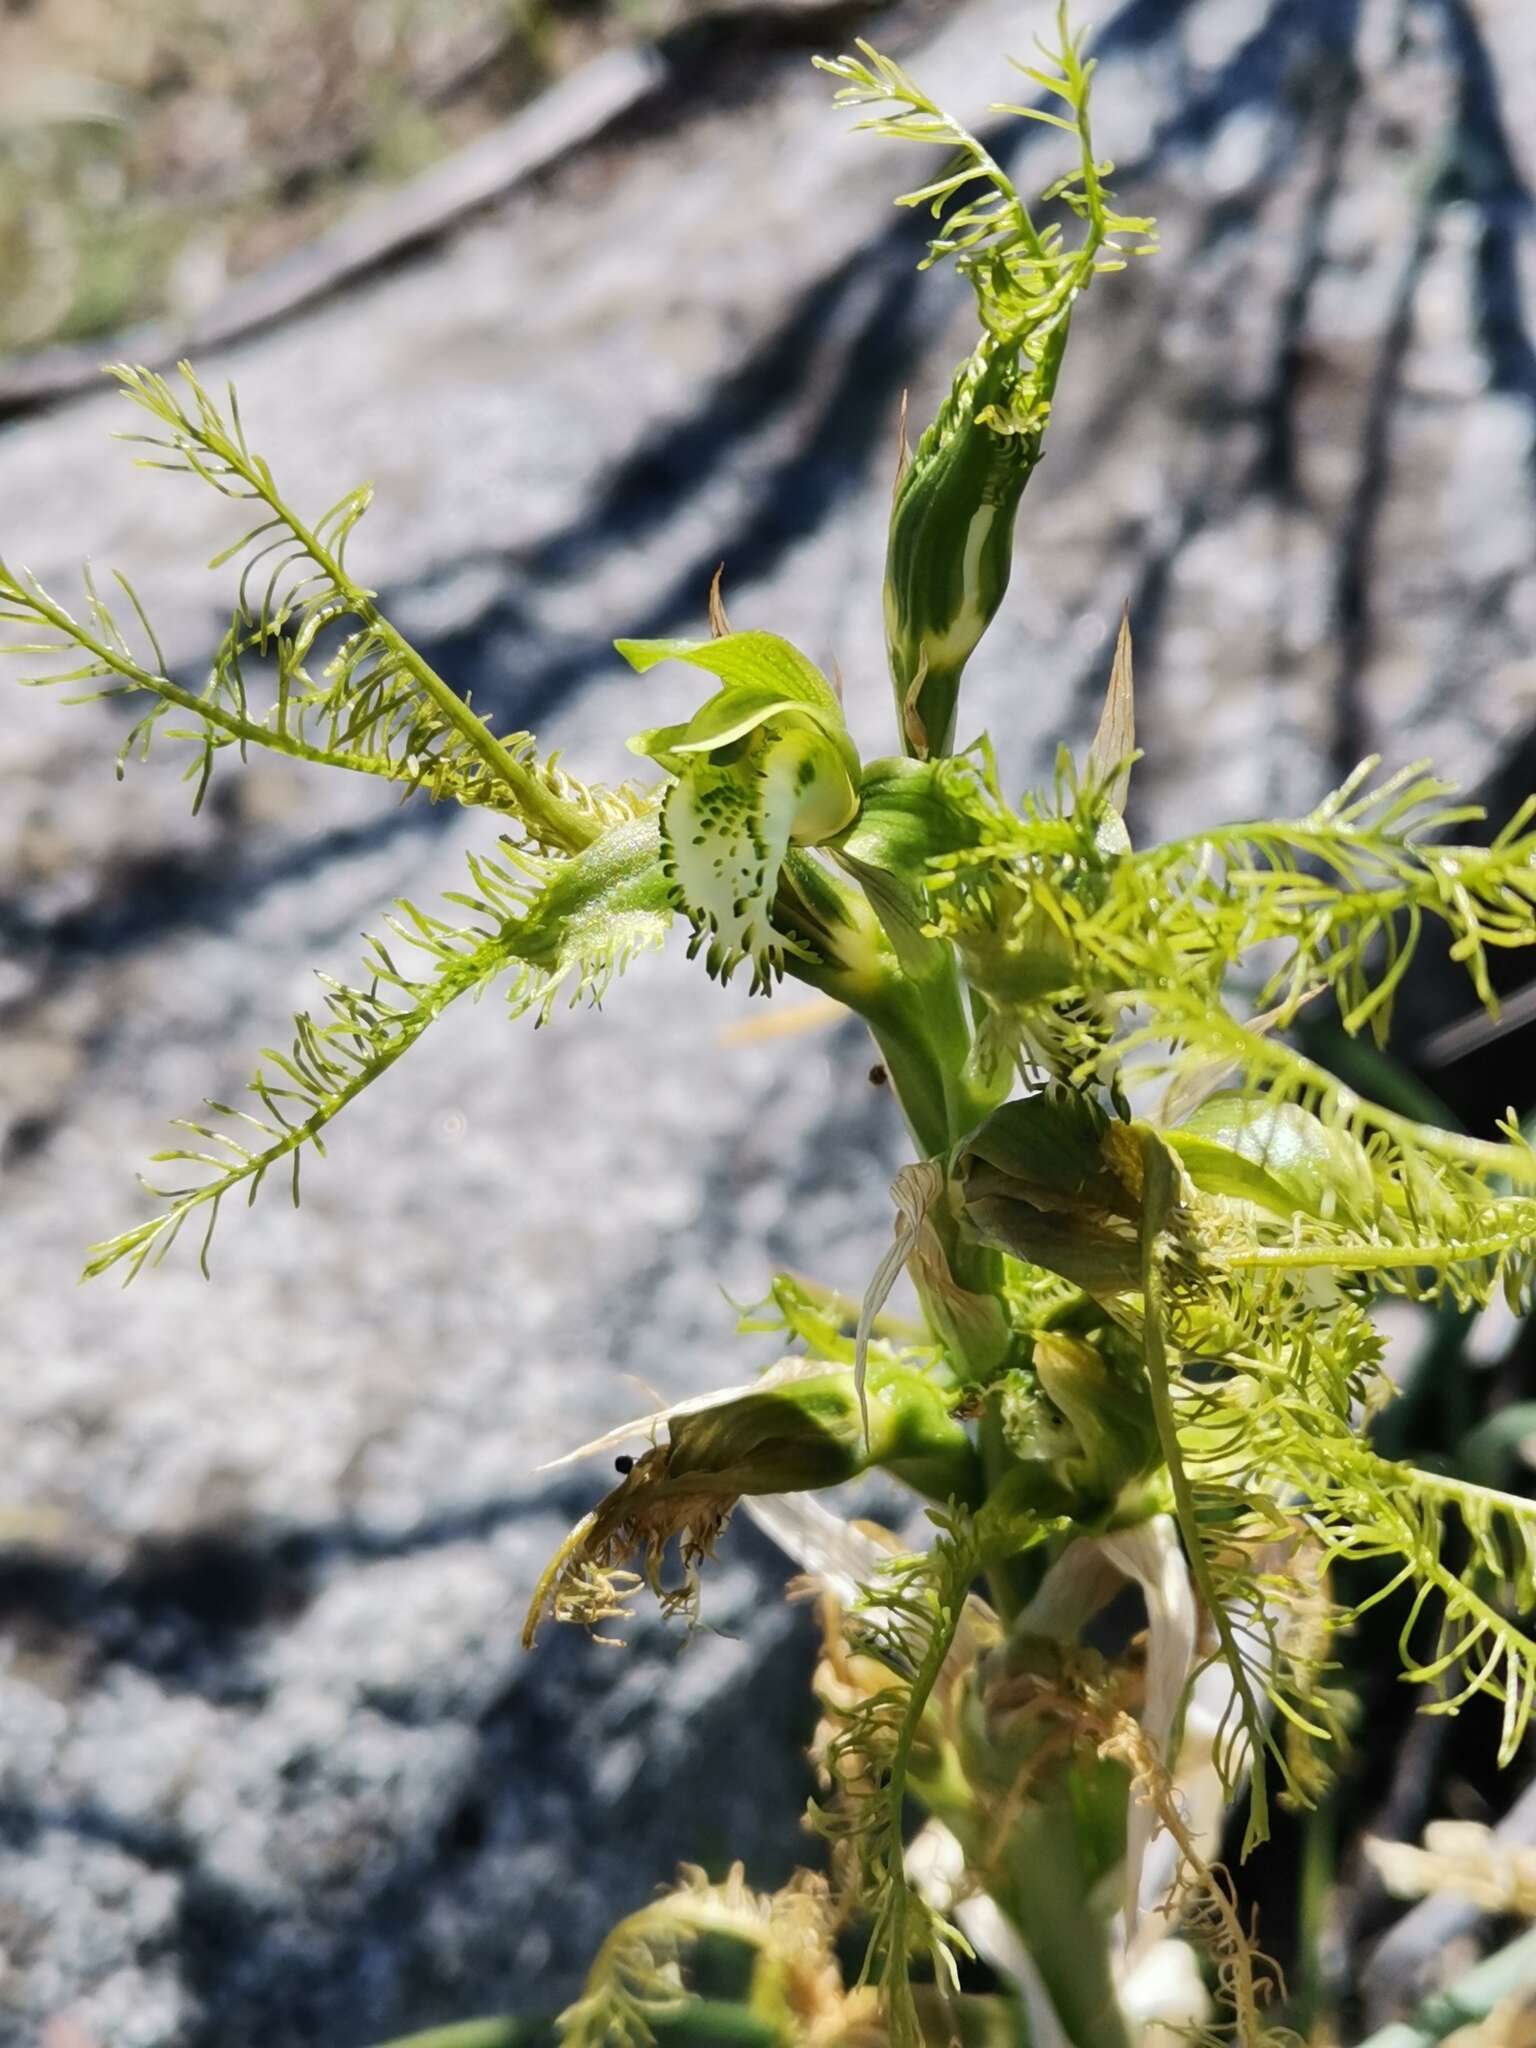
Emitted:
<point x="877" y="1076"/>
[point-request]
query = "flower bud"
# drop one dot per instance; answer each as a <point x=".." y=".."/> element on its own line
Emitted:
<point x="711" y="1964"/>
<point x="951" y="539"/>
<point x="1101" y="1389"/>
<point x="1052" y="1180"/>
<point x="1080" y="1416"/>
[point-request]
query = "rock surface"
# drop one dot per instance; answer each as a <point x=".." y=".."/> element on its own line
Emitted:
<point x="274" y="1767"/>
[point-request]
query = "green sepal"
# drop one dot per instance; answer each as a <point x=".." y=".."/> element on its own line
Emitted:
<point x="800" y="1428"/>
<point x="595" y="914"/>
<point x="809" y="1432"/>
<point x="907" y="817"/>
<point x="1276" y="1155"/>
<point x="905" y="820"/>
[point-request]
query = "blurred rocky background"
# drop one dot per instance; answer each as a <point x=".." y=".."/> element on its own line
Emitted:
<point x="600" y="298"/>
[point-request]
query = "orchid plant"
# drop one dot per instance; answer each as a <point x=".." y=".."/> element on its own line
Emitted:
<point x="1144" y="1230"/>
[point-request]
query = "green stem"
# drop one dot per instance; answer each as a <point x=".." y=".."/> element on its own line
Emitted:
<point x="924" y="1035"/>
<point x="917" y="1072"/>
<point x="892" y="1937"/>
<point x="1361" y="1258"/>
<point x="1319" y="1856"/>
<point x="556" y="822"/>
<point x="494" y="2033"/>
<point x="1043" y="1890"/>
<point x="243" y="730"/>
<point x="847" y="957"/>
<point x="1012" y="1582"/>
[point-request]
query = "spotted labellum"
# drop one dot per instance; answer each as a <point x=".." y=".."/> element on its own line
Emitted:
<point x="764" y="764"/>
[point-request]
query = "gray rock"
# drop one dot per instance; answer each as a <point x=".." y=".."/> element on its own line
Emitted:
<point x="274" y="1768"/>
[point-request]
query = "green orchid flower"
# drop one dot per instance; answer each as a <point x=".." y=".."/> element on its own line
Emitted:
<point x="763" y="765"/>
<point x="802" y="1426"/>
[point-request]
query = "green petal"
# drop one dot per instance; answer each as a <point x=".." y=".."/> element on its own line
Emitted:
<point x="735" y="712"/>
<point x="766" y="679"/>
<point x="659" y="743"/>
